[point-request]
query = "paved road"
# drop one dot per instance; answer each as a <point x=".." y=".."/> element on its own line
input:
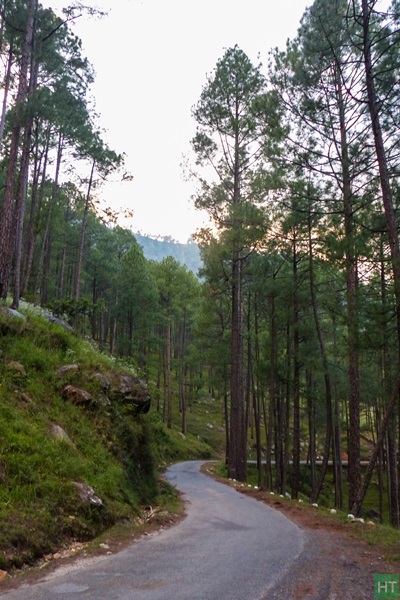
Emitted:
<point x="229" y="547"/>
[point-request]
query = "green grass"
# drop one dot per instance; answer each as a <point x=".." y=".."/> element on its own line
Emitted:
<point x="118" y="454"/>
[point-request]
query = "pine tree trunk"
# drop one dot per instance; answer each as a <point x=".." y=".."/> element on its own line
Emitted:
<point x="20" y="204"/>
<point x="40" y="279"/>
<point x="354" y="473"/>
<point x="295" y="479"/>
<point x="7" y="81"/>
<point x="325" y="364"/>
<point x="8" y="209"/>
<point x="168" y="374"/>
<point x="79" y="263"/>
<point x="272" y="392"/>
<point x="36" y="205"/>
<point x="237" y="456"/>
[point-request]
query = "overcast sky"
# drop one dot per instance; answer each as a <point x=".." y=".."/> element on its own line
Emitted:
<point x="151" y="59"/>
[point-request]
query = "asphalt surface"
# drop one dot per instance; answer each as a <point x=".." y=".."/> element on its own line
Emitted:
<point x="228" y="547"/>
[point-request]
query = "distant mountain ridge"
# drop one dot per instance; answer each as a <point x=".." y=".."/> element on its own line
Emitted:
<point x="158" y="249"/>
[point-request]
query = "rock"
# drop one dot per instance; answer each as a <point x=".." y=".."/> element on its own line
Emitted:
<point x="66" y="370"/>
<point x="87" y="494"/>
<point x="76" y="395"/>
<point x="56" y="321"/>
<point x="16" y="366"/>
<point x="10" y="312"/>
<point x="333" y="511"/>
<point x="131" y="391"/>
<point x="102" y="380"/>
<point x="58" y="433"/>
<point x="102" y="400"/>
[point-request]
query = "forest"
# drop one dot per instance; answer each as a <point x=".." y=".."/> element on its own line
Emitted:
<point x="293" y="322"/>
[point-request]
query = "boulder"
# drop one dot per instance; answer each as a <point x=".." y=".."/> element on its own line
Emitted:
<point x="87" y="494"/>
<point x="131" y="391"/>
<point x="76" y="395"/>
<point x="52" y="319"/>
<point x="10" y="312"/>
<point x="66" y="370"/>
<point x="102" y="380"/>
<point x="58" y="433"/>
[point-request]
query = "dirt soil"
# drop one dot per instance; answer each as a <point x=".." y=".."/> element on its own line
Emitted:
<point x="336" y="563"/>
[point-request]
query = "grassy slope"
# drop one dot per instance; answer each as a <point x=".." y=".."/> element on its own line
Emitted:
<point x="119" y="455"/>
<point x="110" y="449"/>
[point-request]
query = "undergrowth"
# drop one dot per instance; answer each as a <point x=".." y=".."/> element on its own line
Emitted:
<point x="117" y="453"/>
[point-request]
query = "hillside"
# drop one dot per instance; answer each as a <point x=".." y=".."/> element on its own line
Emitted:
<point x="158" y="249"/>
<point x="81" y="447"/>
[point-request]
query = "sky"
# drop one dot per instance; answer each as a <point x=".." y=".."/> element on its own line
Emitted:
<point x="151" y="59"/>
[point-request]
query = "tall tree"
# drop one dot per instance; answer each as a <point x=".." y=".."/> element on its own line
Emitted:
<point x="373" y="32"/>
<point x="232" y="117"/>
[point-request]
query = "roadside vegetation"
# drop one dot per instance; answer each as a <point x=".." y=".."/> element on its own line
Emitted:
<point x="104" y="444"/>
<point x="383" y="537"/>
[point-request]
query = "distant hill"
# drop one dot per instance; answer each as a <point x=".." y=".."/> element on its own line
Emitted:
<point x="158" y="249"/>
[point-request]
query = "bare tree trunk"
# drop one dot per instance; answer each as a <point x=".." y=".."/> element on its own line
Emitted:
<point x="327" y="378"/>
<point x="40" y="279"/>
<point x="237" y="456"/>
<point x="295" y="479"/>
<point x="36" y="205"/>
<point x="312" y="452"/>
<point x="7" y="81"/>
<point x="79" y="263"/>
<point x="8" y="211"/>
<point x="168" y="369"/>
<point x="20" y="204"/>
<point x="20" y="214"/>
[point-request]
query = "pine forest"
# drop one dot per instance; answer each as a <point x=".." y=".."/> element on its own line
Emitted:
<point x="292" y="325"/>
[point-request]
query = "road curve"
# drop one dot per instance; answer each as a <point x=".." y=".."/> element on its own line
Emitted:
<point x="228" y="547"/>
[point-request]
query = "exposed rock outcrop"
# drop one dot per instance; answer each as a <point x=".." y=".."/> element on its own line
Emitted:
<point x="131" y="391"/>
<point x="127" y="389"/>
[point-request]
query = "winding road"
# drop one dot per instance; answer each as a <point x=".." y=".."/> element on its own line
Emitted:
<point x="228" y="547"/>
